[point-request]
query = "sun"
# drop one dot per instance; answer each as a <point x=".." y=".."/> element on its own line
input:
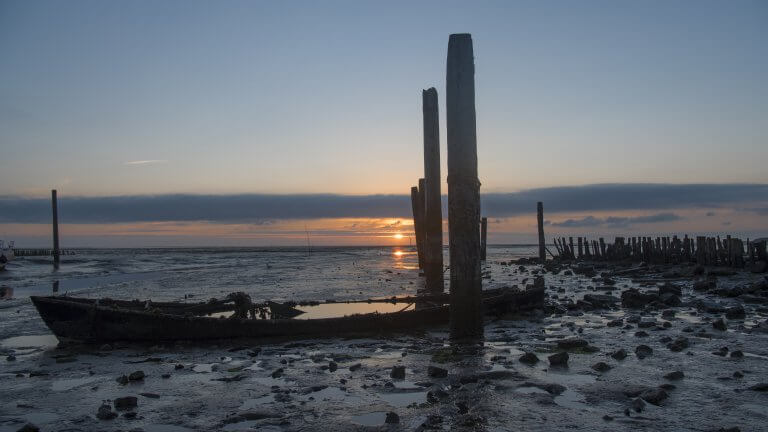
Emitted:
<point x="398" y="236"/>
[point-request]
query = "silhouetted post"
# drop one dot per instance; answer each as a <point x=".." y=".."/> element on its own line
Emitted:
<point x="433" y="212"/>
<point x="417" y="218"/>
<point x="463" y="190"/>
<point x="54" y="207"/>
<point x="540" y="220"/>
<point x="581" y="248"/>
<point x="483" y="238"/>
<point x="422" y="213"/>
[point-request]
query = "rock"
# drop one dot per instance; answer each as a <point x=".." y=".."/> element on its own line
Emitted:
<point x="633" y="298"/>
<point x="641" y="333"/>
<point x="601" y="367"/>
<point x="126" y="403"/>
<point x="136" y="376"/>
<point x="122" y="379"/>
<point x="601" y="301"/>
<point x="355" y="367"/>
<point x="670" y="299"/>
<point x="436" y="372"/>
<point x="722" y="352"/>
<point x="619" y="354"/>
<point x="618" y="322"/>
<point x="165" y="376"/>
<point x="638" y="405"/>
<point x="559" y="359"/>
<point x="719" y="324"/>
<point x="674" y="376"/>
<point x="704" y="284"/>
<point x="607" y="418"/>
<point x="654" y="396"/>
<point x="277" y="373"/>
<point x="736" y="312"/>
<point x="179" y="366"/>
<point x="668" y="313"/>
<point x="398" y="372"/>
<point x="29" y="427"/>
<point x="571" y="343"/>
<point x="10" y="358"/>
<point x="392" y="418"/>
<point x="105" y="413"/>
<point x="643" y="351"/>
<point x="678" y="344"/>
<point x="669" y="288"/>
<point x="332" y="366"/>
<point x="150" y="395"/>
<point x="761" y="387"/>
<point x="529" y="358"/>
<point x="737" y="354"/>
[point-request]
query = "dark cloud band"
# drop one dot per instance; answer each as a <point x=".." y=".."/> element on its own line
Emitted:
<point x="259" y="208"/>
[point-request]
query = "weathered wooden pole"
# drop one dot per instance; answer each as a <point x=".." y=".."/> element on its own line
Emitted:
<point x="540" y="220"/>
<point x="433" y="212"/>
<point x="422" y="213"/>
<point x="483" y="238"/>
<point x="463" y="190"/>
<point x="55" y="209"/>
<point x="417" y="219"/>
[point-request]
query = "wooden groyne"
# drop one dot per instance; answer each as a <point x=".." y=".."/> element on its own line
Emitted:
<point x="710" y="251"/>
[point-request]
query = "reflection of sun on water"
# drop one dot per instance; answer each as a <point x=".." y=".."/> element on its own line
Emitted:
<point x="398" y="253"/>
<point x="397" y="236"/>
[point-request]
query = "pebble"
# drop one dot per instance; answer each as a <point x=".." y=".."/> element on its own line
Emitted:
<point x="136" y="376"/>
<point x="437" y="372"/>
<point x="105" y="413"/>
<point x="529" y="358"/>
<point x="559" y="359"/>
<point x="674" y="376"/>
<point x="601" y="367"/>
<point x="398" y="372"/>
<point x="126" y="403"/>
<point x="392" y="418"/>
<point x="643" y="351"/>
<point x="719" y="324"/>
<point x="619" y="354"/>
<point x="29" y="427"/>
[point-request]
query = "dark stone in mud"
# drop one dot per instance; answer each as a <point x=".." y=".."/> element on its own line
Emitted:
<point x="277" y="373"/>
<point x="165" y="376"/>
<point x="633" y="298"/>
<point x="150" y="395"/>
<point x="529" y="358"/>
<point x="29" y="427"/>
<point x="670" y="299"/>
<point x="616" y="323"/>
<point x="332" y="366"/>
<point x="355" y="367"/>
<point x="619" y="354"/>
<point x="638" y="405"/>
<point x="11" y="358"/>
<point x="761" y="387"/>
<point x="641" y="333"/>
<point x="722" y="352"/>
<point x="122" y="379"/>
<point x="668" y="313"/>
<point x="435" y="396"/>
<point x="398" y="372"/>
<point x="136" y="376"/>
<point x="646" y="324"/>
<point x="392" y="418"/>
<point x="126" y="403"/>
<point x="654" y="396"/>
<point x="704" y="284"/>
<point x="437" y="372"/>
<point x="250" y="416"/>
<point x="643" y="351"/>
<point x="105" y="413"/>
<point x="674" y="376"/>
<point x="668" y="386"/>
<point x="179" y="366"/>
<point x="736" y="312"/>
<point x="679" y="344"/>
<point x="719" y="324"/>
<point x="730" y="429"/>
<point x="602" y="367"/>
<point x="710" y="306"/>
<point x="572" y="343"/>
<point x="737" y="354"/>
<point x="602" y="301"/>
<point x="607" y="418"/>
<point x="559" y="359"/>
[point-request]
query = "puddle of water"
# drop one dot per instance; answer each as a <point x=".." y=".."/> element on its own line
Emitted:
<point x="164" y="428"/>
<point x="571" y="399"/>
<point x="404" y="399"/>
<point x="405" y="385"/>
<point x="331" y="310"/>
<point x="81" y="283"/>
<point x="328" y="394"/>
<point x="255" y="367"/>
<point x="530" y="390"/>
<point x="69" y="384"/>
<point x="269" y="381"/>
<point x="375" y="418"/>
<point x="30" y="341"/>
<point x="204" y="368"/>
<point x="258" y="402"/>
<point x="250" y="425"/>
<point x="40" y="418"/>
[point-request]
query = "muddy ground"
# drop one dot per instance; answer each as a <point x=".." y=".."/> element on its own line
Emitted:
<point x="696" y="358"/>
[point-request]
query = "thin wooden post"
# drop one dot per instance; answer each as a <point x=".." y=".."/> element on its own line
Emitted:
<point x="463" y="190"/>
<point x="422" y="214"/>
<point x="581" y="248"/>
<point x="433" y="212"/>
<point x="417" y="228"/>
<point x="483" y="238"/>
<point x="540" y="220"/>
<point x="55" y="209"/>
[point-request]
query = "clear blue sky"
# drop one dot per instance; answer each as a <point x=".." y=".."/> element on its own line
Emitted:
<point x="286" y="97"/>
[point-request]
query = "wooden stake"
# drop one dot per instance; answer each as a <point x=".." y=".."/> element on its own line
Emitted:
<point x="463" y="190"/>
<point x="540" y="220"/>
<point x="433" y="212"/>
<point x="417" y="228"/>
<point x="55" y="208"/>
<point x="483" y="238"/>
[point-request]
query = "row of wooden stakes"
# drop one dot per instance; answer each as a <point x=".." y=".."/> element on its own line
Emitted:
<point x="710" y="251"/>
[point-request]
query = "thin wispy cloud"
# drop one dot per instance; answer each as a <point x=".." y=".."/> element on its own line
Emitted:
<point x="616" y="221"/>
<point x="146" y="162"/>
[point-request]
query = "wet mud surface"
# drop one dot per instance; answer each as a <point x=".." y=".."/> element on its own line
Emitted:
<point x="693" y="359"/>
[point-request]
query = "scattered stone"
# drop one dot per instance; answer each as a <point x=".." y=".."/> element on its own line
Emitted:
<point x="332" y="366"/>
<point x="737" y="354"/>
<point x="678" y="344"/>
<point x="437" y="372"/>
<point x="761" y="387"/>
<point x="618" y="322"/>
<point x="643" y="351"/>
<point x="641" y="333"/>
<point x="122" y="379"/>
<point x="607" y="418"/>
<point x="277" y="373"/>
<point x="638" y="405"/>
<point x="674" y="376"/>
<point x="165" y="376"/>
<point x="559" y="359"/>
<point x="126" y="403"/>
<point x="633" y="298"/>
<point x="179" y="366"/>
<point x="571" y="343"/>
<point x="719" y="324"/>
<point x="392" y="418"/>
<point x="619" y="354"/>
<point x="602" y="367"/>
<point x="722" y="352"/>
<point x="398" y="372"/>
<point x="654" y="396"/>
<point x="150" y="395"/>
<point x="105" y="413"/>
<point x="29" y="427"/>
<point x="529" y="358"/>
<point x="355" y="367"/>
<point x="136" y="376"/>
<point x="736" y="312"/>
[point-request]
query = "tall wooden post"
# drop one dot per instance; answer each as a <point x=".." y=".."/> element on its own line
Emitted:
<point x="540" y="220"/>
<point x="417" y="228"/>
<point x="433" y="212"/>
<point x="483" y="238"/>
<point x="55" y="209"/>
<point x="463" y="190"/>
<point x="422" y="234"/>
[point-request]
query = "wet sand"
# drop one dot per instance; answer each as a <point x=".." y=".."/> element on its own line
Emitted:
<point x="347" y="384"/>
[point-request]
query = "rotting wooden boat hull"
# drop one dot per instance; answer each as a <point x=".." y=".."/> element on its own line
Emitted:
<point x="86" y="320"/>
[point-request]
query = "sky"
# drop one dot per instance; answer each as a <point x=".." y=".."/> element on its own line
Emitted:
<point x="312" y="102"/>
